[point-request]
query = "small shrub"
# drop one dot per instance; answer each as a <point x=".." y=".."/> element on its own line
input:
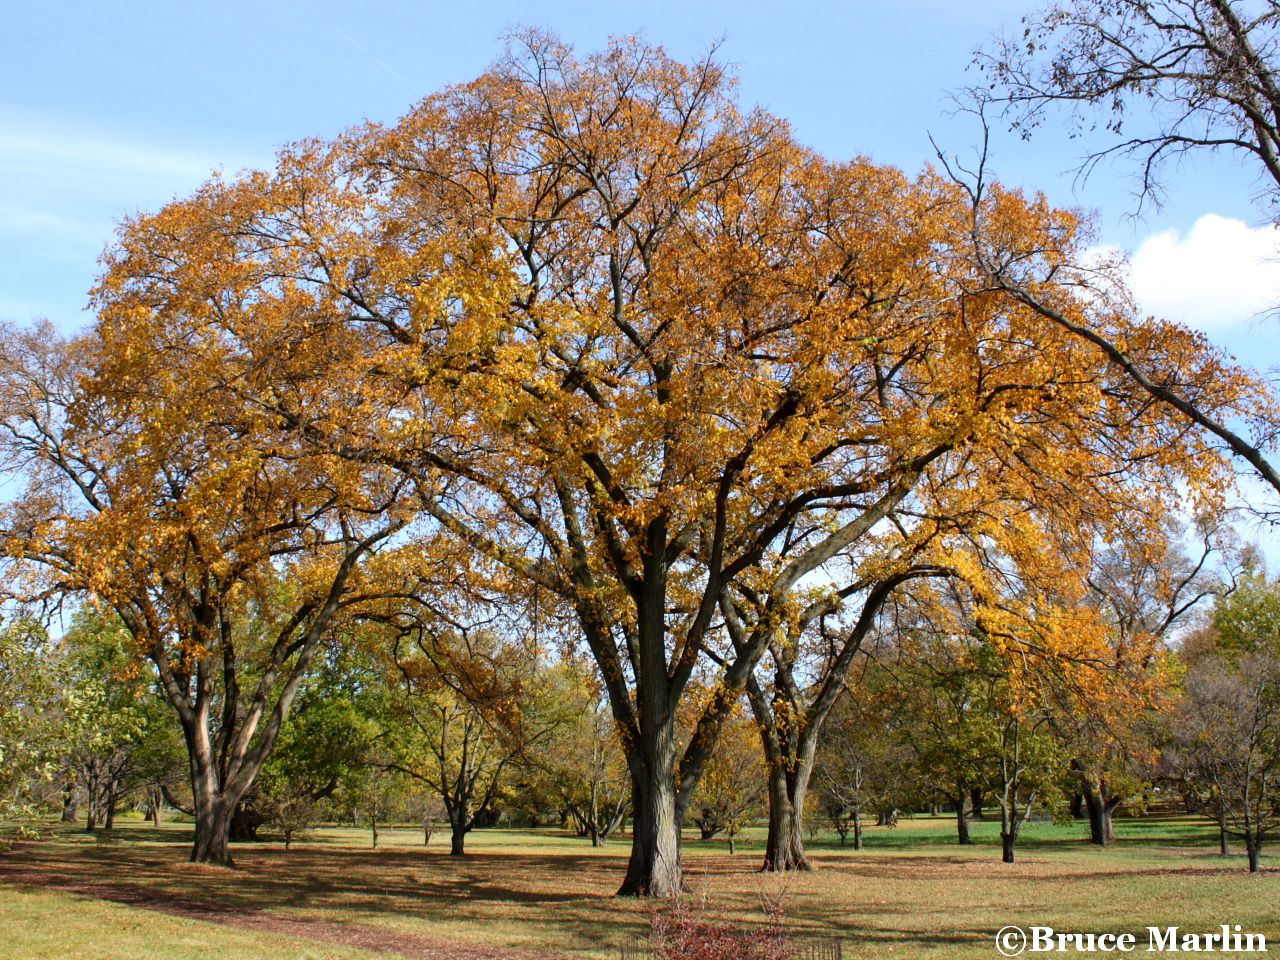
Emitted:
<point x="685" y="931"/>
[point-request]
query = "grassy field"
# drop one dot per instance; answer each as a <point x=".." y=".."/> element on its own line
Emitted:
<point x="912" y="893"/>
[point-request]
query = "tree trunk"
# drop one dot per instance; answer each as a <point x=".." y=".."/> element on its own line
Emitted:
<point x="1109" y="807"/>
<point x="654" y="868"/>
<point x="733" y="844"/>
<point x="784" y="849"/>
<point x="213" y="831"/>
<point x="69" y="801"/>
<point x="373" y="829"/>
<point x="962" y="824"/>
<point x="213" y="807"/>
<point x="1097" y="815"/>
<point x="109" y="817"/>
<point x="857" y="829"/>
<point x="975" y="802"/>
<point x="1253" y="846"/>
<point x="1224" y="848"/>
<point x="457" y="838"/>
<point x="1007" y="840"/>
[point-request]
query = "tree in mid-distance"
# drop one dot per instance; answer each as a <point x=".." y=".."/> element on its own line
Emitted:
<point x="732" y="787"/>
<point x="150" y="480"/>
<point x="1226" y="741"/>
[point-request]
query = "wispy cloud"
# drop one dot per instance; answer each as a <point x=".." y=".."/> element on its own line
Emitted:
<point x="35" y="152"/>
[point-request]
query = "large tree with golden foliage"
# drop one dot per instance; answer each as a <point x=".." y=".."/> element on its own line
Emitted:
<point x="637" y="345"/>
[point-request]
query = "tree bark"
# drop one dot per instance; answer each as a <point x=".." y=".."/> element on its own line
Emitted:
<point x="457" y="839"/>
<point x="1097" y="816"/>
<point x="213" y="831"/>
<point x="1007" y="841"/>
<point x="784" y="849"/>
<point x="654" y="868"/>
<point x="214" y="805"/>
<point x="1253" y="847"/>
<point x="962" y="814"/>
<point x="69" y="814"/>
<point x="857" y="829"/>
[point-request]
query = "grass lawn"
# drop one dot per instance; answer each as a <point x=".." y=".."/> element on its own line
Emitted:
<point x="912" y="893"/>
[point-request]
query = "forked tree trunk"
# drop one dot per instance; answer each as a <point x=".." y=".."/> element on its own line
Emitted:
<point x="654" y="868"/>
<point x="214" y="805"/>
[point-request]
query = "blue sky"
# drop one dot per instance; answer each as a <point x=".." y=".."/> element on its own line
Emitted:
<point x="108" y="109"/>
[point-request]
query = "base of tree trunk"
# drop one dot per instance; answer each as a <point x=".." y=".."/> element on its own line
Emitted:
<point x="1006" y="848"/>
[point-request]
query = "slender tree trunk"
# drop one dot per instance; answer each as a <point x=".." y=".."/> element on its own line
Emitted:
<point x="1007" y="841"/>
<point x="1097" y="815"/>
<point x="69" y="801"/>
<point x="857" y="829"/>
<point x="733" y="844"/>
<point x="962" y="814"/>
<point x="1224" y="847"/>
<point x="1253" y="847"/>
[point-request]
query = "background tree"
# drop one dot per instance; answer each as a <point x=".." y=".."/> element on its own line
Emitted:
<point x="35" y="728"/>
<point x="732" y="787"/>
<point x="149" y="481"/>
<point x="466" y="705"/>
<point x="1227" y="730"/>
<point x="581" y="770"/>
<point x="863" y="765"/>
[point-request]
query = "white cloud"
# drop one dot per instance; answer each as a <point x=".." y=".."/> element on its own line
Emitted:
<point x="1221" y="273"/>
